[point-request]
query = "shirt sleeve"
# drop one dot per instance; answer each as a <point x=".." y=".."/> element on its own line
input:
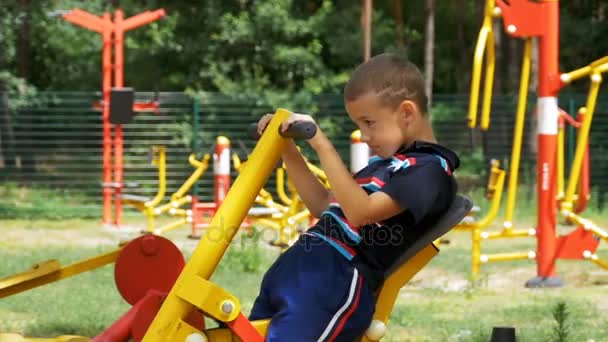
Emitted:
<point x="416" y="188"/>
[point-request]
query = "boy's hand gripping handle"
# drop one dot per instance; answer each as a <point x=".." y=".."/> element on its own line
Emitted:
<point x="297" y="130"/>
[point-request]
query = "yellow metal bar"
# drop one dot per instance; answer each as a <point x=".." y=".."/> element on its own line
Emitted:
<point x="484" y="258"/>
<point x="518" y="132"/>
<point x="268" y="223"/>
<point x="390" y="289"/>
<point x="497" y="177"/>
<point x="585" y="223"/>
<point x="223" y="227"/>
<point x="201" y="167"/>
<point x="50" y="271"/>
<point x="303" y="214"/>
<point x="596" y="260"/>
<point x="236" y="162"/>
<point x="171" y="226"/>
<point x="582" y="142"/>
<point x="281" y="186"/>
<point x="172" y="204"/>
<point x="482" y="45"/>
<point x="9" y="337"/>
<point x="561" y="140"/>
<point x="226" y="335"/>
<point x="508" y="233"/>
<point x="601" y="65"/>
<point x="488" y="83"/>
<point x="392" y="285"/>
<point x="160" y="161"/>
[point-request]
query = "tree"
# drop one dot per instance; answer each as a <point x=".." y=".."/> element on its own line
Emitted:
<point x="429" y="48"/>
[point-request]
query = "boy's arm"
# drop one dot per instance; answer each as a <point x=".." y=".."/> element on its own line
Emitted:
<point x="315" y="196"/>
<point x="359" y="207"/>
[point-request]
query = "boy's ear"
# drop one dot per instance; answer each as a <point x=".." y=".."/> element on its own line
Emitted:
<point x="408" y="110"/>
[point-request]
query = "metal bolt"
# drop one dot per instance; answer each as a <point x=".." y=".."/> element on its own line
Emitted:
<point x="227" y="307"/>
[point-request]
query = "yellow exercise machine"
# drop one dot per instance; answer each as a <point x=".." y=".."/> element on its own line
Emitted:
<point x="288" y="218"/>
<point x="181" y="197"/>
<point x="194" y="291"/>
<point x="51" y="271"/>
<point x="485" y="45"/>
<point x="587" y="228"/>
<point x="153" y="207"/>
<point x="146" y="204"/>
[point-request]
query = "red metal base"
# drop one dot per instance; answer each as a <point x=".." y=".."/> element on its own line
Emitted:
<point x="573" y="245"/>
<point x="147" y="263"/>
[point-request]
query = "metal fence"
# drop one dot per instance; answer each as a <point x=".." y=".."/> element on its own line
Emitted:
<point x="56" y="140"/>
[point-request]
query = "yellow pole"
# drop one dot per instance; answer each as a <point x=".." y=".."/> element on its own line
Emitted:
<point x="201" y="167"/>
<point x="489" y="81"/>
<point x="518" y="133"/>
<point x="160" y="161"/>
<point x="480" y="48"/>
<point x="222" y="228"/>
<point x="582" y="141"/>
<point x="561" y="140"/>
<point x="281" y="186"/>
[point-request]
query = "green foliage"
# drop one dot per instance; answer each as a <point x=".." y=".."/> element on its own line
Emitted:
<point x="562" y="326"/>
<point x="473" y="163"/>
<point x="245" y="256"/>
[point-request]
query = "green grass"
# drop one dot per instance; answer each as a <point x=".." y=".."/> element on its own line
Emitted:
<point x="439" y="304"/>
<point x="28" y="203"/>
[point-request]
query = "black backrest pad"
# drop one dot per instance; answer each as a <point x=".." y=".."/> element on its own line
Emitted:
<point x="457" y="211"/>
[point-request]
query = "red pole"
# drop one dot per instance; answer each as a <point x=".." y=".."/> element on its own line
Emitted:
<point x="106" y="35"/>
<point x="109" y="30"/>
<point x="548" y="112"/>
<point x="118" y="138"/>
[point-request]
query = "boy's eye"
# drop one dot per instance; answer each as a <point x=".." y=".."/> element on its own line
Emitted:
<point x="369" y="123"/>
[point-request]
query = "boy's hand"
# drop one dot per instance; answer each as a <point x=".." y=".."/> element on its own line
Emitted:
<point x="294" y="117"/>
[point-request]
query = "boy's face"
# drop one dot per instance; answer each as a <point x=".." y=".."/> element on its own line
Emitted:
<point x="384" y="129"/>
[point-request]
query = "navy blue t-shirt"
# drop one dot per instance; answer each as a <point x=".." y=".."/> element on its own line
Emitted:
<point x="419" y="178"/>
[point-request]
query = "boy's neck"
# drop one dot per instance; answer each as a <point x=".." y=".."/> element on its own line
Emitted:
<point x="423" y="133"/>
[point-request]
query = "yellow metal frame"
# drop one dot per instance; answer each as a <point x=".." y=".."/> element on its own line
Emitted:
<point x="485" y="45"/>
<point x="594" y="70"/>
<point x="181" y="197"/>
<point x="51" y="271"/>
<point x="194" y="291"/>
<point x="290" y="214"/>
<point x="153" y="208"/>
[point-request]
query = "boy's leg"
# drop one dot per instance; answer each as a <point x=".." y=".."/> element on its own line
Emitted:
<point x="342" y="316"/>
<point x="316" y="294"/>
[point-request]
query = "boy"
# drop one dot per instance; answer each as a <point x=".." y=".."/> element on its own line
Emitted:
<point x="322" y="288"/>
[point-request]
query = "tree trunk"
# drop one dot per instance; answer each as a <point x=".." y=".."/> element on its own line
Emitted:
<point x="24" y="58"/>
<point x="7" y="136"/>
<point x="398" y="18"/>
<point x="429" y="47"/>
<point x="366" y="26"/>
<point x="466" y="56"/>
<point x="24" y="41"/>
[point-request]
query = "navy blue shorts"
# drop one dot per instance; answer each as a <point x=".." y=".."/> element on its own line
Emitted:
<point x="312" y="293"/>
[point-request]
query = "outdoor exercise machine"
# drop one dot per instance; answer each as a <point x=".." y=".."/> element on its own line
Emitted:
<point x="145" y="270"/>
<point x="193" y="291"/>
<point x="539" y="19"/>
<point x="202" y="212"/>
<point x="286" y="218"/>
<point x="50" y="271"/>
<point x="114" y="111"/>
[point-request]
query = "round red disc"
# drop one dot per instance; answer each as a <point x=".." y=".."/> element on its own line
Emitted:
<point x="149" y="262"/>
